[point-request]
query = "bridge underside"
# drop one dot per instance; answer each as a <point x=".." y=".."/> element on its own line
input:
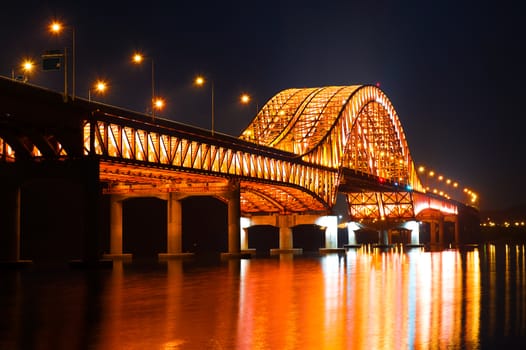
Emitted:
<point x="256" y="198"/>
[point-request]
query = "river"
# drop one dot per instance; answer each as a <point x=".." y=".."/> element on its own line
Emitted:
<point x="362" y="299"/>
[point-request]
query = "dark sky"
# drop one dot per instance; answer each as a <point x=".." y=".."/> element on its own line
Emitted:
<point x="452" y="69"/>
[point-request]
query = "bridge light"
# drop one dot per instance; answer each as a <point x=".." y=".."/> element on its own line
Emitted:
<point x="245" y="98"/>
<point x="55" y="27"/>
<point x="421" y="169"/>
<point x="28" y="65"/>
<point x="137" y="58"/>
<point x="408" y="187"/>
<point x="158" y="103"/>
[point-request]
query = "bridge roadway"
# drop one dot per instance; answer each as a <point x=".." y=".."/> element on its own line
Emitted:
<point x="123" y="154"/>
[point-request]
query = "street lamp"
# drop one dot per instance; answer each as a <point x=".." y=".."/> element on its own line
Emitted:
<point x="156" y="103"/>
<point x="56" y="28"/>
<point x="27" y="67"/>
<point x="99" y="87"/>
<point x="200" y="81"/>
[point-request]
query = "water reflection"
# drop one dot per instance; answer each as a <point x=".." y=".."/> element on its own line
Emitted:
<point x="364" y="299"/>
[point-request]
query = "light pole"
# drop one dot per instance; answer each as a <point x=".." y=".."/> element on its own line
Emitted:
<point x="200" y="81"/>
<point x="56" y="27"/>
<point x="156" y="102"/>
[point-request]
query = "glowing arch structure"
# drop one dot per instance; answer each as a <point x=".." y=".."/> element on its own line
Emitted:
<point x="353" y="127"/>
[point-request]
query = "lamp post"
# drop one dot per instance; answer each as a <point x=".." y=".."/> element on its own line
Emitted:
<point x="156" y="103"/>
<point x="56" y="27"/>
<point x="200" y="81"/>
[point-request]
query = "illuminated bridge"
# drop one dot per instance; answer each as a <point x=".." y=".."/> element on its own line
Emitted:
<point x="303" y="148"/>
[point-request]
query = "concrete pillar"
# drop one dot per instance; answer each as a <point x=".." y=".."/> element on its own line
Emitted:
<point x="433" y="232"/>
<point x="91" y="250"/>
<point x="441" y="231"/>
<point x="115" y="225"/>
<point x="330" y="222"/>
<point x="285" y="232"/>
<point x="384" y="237"/>
<point x="352" y="227"/>
<point x="414" y="227"/>
<point x="234" y="215"/>
<point x="244" y="225"/>
<point x="10" y="225"/>
<point x="174" y="225"/>
<point x="457" y="231"/>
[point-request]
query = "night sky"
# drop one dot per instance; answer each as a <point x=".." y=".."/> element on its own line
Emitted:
<point x="452" y="69"/>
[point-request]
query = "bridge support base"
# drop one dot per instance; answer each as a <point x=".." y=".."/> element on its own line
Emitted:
<point x="295" y="251"/>
<point x="170" y="256"/>
<point x="126" y="257"/>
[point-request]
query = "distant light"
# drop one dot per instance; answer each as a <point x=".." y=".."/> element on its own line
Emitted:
<point x="101" y="86"/>
<point x="378" y="84"/>
<point x="55" y="27"/>
<point x="245" y="98"/>
<point x="421" y="169"/>
<point x="138" y="58"/>
<point x="158" y="103"/>
<point x="199" y="80"/>
<point x="28" y="65"/>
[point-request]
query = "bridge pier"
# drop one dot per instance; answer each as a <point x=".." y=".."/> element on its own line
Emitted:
<point x="10" y="226"/>
<point x="174" y="229"/>
<point x="234" y="221"/>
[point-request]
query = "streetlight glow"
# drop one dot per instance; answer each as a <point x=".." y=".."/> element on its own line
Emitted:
<point x="28" y="66"/>
<point x="137" y="58"/>
<point x="55" y="27"/>
<point x="158" y="103"/>
<point x="199" y="80"/>
<point x="245" y="98"/>
<point x="99" y="87"/>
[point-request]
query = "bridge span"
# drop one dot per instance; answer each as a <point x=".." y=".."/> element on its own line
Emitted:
<point x="303" y="148"/>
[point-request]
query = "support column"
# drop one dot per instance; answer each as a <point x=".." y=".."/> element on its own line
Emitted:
<point x="331" y="230"/>
<point x="384" y="237"/>
<point x="352" y="227"/>
<point x="174" y="226"/>
<point x="285" y="233"/>
<point x="433" y="232"/>
<point x="115" y="225"/>
<point x="414" y="227"/>
<point x="285" y="223"/>
<point x="441" y="231"/>
<point x="10" y="226"/>
<point x="234" y="218"/>
<point x="457" y="231"/>
<point x="91" y="250"/>
<point x="116" y="232"/>
<point x="174" y="229"/>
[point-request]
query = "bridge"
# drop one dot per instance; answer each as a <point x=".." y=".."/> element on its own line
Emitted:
<point x="303" y="148"/>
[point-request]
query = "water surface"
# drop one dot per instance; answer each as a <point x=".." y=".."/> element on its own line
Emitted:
<point x="363" y="299"/>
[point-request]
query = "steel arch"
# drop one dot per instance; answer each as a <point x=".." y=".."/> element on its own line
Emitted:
<point x="338" y="127"/>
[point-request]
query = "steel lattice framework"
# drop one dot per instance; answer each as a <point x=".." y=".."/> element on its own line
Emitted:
<point x="344" y="127"/>
<point x="302" y="147"/>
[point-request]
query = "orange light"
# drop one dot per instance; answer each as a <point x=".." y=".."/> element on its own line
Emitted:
<point x="55" y="27"/>
<point x="158" y="103"/>
<point x="245" y="98"/>
<point x="137" y="58"/>
<point x="28" y="65"/>
<point x="101" y="86"/>
<point x="199" y="80"/>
